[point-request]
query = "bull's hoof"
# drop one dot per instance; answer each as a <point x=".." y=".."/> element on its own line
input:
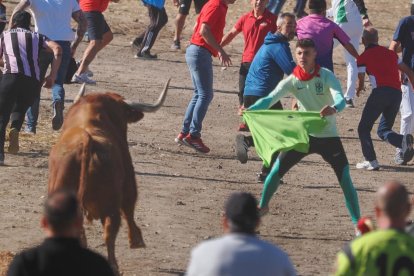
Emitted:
<point x="137" y="244"/>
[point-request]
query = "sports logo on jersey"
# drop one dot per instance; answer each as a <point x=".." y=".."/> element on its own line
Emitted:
<point x="319" y="88"/>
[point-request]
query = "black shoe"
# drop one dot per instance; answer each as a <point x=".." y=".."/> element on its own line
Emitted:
<point x="57" y="119"/>
<point x="350" y="103"/>
<point x="136" y="43"/>
<point x="241" y="148"/>
<point x="146" y="55"/>
<point x="1" y="158"/>
<point x="176" y="45"/>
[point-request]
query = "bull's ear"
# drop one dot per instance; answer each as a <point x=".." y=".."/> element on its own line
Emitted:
<point x="134" y="115"/>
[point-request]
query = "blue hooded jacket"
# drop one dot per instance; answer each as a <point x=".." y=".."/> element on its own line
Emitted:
<point x="271" y="62"/>
<point x="156" y="3"/>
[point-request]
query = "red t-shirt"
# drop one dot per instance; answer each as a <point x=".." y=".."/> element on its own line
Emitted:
<point x="93" y="5"/>
<point x="214" y="15"/>
<point x="254" y="31"/>
<point x="381" y="65"/>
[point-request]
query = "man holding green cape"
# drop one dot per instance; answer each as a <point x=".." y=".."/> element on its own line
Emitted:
<point x="316" y="89"/>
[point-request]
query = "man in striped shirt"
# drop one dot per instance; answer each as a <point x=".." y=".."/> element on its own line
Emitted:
<point x="20" y="84"/>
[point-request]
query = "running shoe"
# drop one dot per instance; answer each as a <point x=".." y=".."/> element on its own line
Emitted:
<point x="83" y="78"/>
<point x="195" y="143"/>
<point x="399" y="159"/>
<point x="180" y="139"/>
<point x="176" y="45"/>
<point x="349" y="103"/>
<point x="88" y="72"/>
<point x="30" y="130"/>
<point x="241" y="148"/>
<point x="57" y="119"/>
<point x="368" y="165"/>
<point x="146" y="55"/>
<point x="13" y="141"/>
<point x="407" y="148"/>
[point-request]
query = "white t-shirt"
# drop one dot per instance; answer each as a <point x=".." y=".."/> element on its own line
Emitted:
<point x="239" y="255"/>
<point x="344" y="11"/>
<point x="53" y="17"/>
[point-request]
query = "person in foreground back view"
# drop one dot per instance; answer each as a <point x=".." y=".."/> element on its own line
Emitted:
<point x="60" y="253"/>
<point x="389" y="250"/>
<point x="239" y="252"/>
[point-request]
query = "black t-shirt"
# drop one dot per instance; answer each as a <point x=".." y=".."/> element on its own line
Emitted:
<point x="59" y="256"/>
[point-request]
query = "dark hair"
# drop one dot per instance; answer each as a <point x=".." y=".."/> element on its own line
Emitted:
<point x="241" y="212"/>
<point x="21" y="19"/>
<point x="61" y="210"/>
<point x="305" y="43"/>
<point x="317" y="6"/>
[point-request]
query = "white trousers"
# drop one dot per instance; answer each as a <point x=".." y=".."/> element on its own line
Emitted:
<point x="407" y="110"/>
<point x="354" y="31"/>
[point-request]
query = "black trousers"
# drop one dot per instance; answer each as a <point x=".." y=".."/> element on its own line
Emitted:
<point x="158" y="19"/>
<point x="17" y="94"/>
<point x="244" y="69"/>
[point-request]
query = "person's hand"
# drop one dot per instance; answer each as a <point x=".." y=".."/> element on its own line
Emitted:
<point x="49" y="82"/>
<point x="359" y="89"/>
<point x="176" y="3"/>
<point x="366" y="22"/>
<point x="225" y="59"/>
<point x="327" y="111"/>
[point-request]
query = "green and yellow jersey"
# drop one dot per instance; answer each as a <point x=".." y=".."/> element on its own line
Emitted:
<point x="379" y="253"/>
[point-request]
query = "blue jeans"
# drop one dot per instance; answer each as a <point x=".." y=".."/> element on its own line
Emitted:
<point x="385" y="101"/>
<point x="200" y="64"/>
<point x="58" y="92"/>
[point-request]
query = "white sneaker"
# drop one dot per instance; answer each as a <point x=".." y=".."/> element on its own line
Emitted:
<point x="83" y="78"/>
<point x="368" y="165"/>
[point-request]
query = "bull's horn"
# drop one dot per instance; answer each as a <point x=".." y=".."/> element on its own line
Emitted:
<point x="144" y="107"/>
<point x="80" y="93"/>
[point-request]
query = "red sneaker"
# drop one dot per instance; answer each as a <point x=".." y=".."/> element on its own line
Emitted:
<point x="196" y="143"/>
<point x="179" y="139"/>
<point x="243" y="127"/>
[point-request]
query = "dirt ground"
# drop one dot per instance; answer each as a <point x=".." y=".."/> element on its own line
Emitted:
<point x="181" y="193"/>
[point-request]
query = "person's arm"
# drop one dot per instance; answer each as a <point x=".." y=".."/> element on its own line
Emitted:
<point x="395" y="46"/>
<point x="23" y="4"/>
<point x="361" y="83"/>
<point x="282" y="89"/>
<point x="336" y="92"/>
<point x="79" y="17"/>
<point x="208" y="37"/>
<point x="229" y="37"/>
<point x="283" y="57"/>
<point x="52" y="46"/>
<point x="351" y="49"/>
<point x="363" y="11"/>
<point x="407" y="71"/>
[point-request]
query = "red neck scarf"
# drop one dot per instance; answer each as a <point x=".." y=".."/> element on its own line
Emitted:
<point x="303" y="76"/>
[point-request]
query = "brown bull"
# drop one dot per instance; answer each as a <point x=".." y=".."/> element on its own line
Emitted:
<point x="92" y="158"/>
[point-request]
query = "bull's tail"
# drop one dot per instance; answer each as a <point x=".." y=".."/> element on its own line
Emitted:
<point x="84" y="169"/>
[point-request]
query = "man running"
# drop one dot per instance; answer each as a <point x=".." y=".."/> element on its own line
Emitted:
<point x="351" y="16"/>
<point x="255" y="25"/>
<point x="316" y="89"/>
<point x="403" y="39"/>
<point x="384" y="100"/>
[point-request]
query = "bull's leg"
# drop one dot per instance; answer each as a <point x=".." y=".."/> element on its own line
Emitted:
<point x="111" y="229"/>
<point x="134" y="233"/>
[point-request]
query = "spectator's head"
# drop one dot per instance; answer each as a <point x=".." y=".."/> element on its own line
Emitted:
<point x="21" y="19"/>
<point x="317" y="7"/>
<point x="286" y="25"/>
<point x="62" y="216"/>
<point x="259" y="5"/>
<point x="305" y="54"/>
<point x="241" y="214"/>
<point x="392" y="205"/>
<point x="369" y="36"/>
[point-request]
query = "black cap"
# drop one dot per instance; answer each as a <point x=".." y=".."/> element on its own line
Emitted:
<point x="21" y="19"/>
<point x="317" y="5"/>
<point x="241" y="210"/>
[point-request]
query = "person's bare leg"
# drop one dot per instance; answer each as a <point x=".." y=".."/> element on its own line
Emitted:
<point x="179" y="26"/>
<point x="93" y="48"/>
